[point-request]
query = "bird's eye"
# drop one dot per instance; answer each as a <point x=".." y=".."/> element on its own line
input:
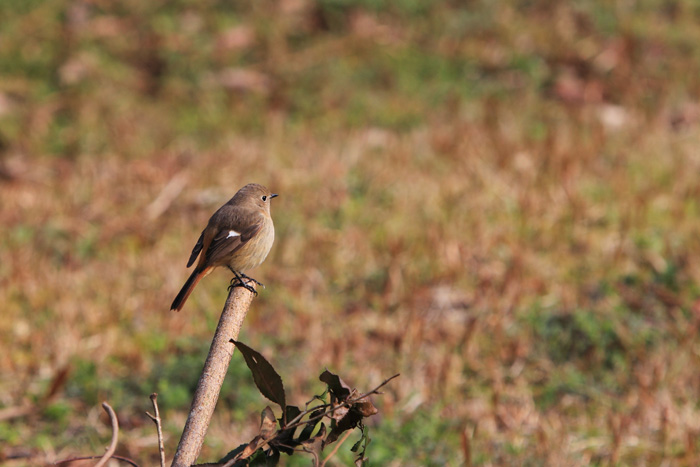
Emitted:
<point x="264" y="198"/>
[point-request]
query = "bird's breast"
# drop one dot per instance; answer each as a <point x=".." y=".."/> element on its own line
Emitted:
<point x="256" y="249"/>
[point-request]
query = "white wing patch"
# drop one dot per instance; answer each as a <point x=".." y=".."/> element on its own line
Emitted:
<point x="233" y="233"/>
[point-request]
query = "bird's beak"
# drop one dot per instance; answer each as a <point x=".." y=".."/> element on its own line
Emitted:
<point x="274" y="195"/>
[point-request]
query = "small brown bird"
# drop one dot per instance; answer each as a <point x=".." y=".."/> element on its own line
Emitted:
<point x="239" y="235"/>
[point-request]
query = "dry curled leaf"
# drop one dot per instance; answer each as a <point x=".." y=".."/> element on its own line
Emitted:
<point x="266" y="378"/>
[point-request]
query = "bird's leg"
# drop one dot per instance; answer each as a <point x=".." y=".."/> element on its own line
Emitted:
<point x="237" y="281"/>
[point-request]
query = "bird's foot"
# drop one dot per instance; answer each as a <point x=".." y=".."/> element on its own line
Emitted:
<point x="238" y="281"/>
<point x="252" y="280"/>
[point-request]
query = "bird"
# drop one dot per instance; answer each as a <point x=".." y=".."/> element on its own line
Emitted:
<point x="239" y="235"/>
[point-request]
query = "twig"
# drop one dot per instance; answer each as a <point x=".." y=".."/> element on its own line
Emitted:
<point x="156" y="420"/>
<point x="315" y="454"/>
<point x="315" y="398"/>
<point x="84" y="458"/>
<point x="337" y="446"/>
<point x="262" y="445"/>
<point x="115" y="435"/>
<point x="296" y="421"/>
<point x="209" y="386"/>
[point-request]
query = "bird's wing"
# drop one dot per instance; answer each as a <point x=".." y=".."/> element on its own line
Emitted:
<point x="228" y="240"/>
<point x="197" y="248"/>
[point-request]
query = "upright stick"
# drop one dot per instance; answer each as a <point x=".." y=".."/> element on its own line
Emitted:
<point x="209" y="386"/>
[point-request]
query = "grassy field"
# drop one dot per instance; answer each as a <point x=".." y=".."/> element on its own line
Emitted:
<point x="498" y="200"/>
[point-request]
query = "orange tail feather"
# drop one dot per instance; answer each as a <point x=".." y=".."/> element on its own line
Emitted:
<point x="187" y="289"/>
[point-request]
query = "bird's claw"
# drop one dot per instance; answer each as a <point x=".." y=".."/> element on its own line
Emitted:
<point x="239" y="282"/>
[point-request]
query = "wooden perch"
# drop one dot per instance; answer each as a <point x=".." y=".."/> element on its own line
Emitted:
<point x="212" y="378"/>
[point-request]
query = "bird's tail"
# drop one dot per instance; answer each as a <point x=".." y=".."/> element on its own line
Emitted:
<point x="187" y="289"/>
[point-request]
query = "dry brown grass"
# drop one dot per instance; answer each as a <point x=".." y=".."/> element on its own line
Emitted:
<point x="524" y="258"/>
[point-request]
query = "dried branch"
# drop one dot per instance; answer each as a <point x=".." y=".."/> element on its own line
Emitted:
<point x="212" y="378"/>
<point x="157" y="421"/>
<point x="115" y="435"/>
<point x="297" y="420"/>
<point x="259" y="444"/>
<point x="317" y="461"/>
<point x="84" y="458"/>
<point x="337" y="446"/>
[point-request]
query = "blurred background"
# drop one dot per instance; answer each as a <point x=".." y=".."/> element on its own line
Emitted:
<point x="496" y="199"/>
